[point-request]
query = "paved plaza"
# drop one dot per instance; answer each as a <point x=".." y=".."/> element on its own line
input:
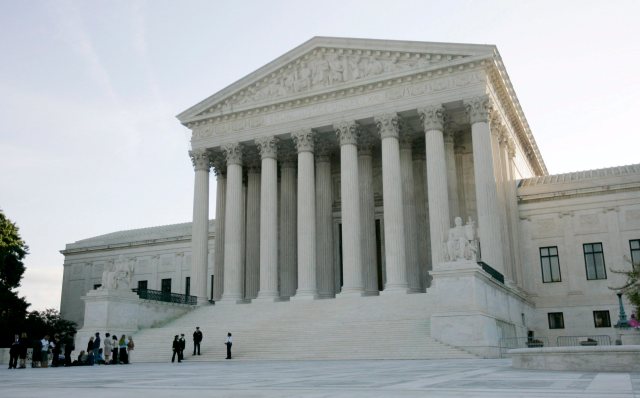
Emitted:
<point x="367" y="378"/>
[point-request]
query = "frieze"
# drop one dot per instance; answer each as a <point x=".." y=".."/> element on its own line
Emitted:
<point x="335" y="102"/>
<point x="329" y="67"/>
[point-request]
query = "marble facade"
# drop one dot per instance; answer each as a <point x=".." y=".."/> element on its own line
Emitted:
<point x="341" y="167"/>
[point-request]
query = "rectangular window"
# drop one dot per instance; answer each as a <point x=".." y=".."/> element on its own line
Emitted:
<point x="556" y="320"/>
<point x="97" y="286"/>
<point x="166" y="285"/>
<point x="212" y="279"/>
<point x="550" y="263"/>
<point x="594" y="261"/>
<point x="142" y="285"/>
<point x="187" y="285"/>
<point x="635" y="251"/>
<point x="601" y="319"/>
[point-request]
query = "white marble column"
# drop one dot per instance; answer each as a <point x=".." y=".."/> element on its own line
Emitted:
<point x="221" y="197"/>
<point x="489" y="231"/>
<point x="268" y="147"/>
<point x="422" y="224"/>
<point x="452" y="176"/>
<point x="394" y="233"/>
<point x="200" y="226"/>
<point x="514" y="216"/>
<point x="347" y="133"/>
<point x="432" y="120"/>
<point x="409" y="214"/>
<point x="252" y="246"/>
<point x="307" y="287"/>
<point x="288" y="229"/>
<point x="367" y="216"/>
<point x="233" y="242"/>
<point x="324" y="224"/>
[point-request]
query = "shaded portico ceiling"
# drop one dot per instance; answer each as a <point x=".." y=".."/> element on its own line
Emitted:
<point x="327" y="67"/>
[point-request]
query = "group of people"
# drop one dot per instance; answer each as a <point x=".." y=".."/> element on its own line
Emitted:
<point x="114" y="351"/>
<point x="179" y="345"/>
<point x="54" y="351"/>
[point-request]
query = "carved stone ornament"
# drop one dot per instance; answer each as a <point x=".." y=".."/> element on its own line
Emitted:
<point x="511" y="147"/>
<point x="304" y="140"/>
<point x="327" y="67"/>
<point x="347" y="133"/>
<point x="219" y="164"/>
<point x="323" y="150"/>
<point x="268" y="147"/>
<point x="233" y="153"/>
<point x="432" y="118"/>
<point x="462" y="243"/>
<point x="200" y="159"/>
<point x="118" y="275"/>
<point x="387" y="125"/>
<point x="365" y="144"/>
<point x="478" y="109"/>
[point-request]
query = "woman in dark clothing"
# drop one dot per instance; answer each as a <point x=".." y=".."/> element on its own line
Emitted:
<point x="14" y="352"/>
<point x="24" y="344"/>
<point x="114" y="353"/>
<point x="56" y="350"/>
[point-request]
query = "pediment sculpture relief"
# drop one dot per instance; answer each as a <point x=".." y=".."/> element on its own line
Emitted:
<point x="325" y="68"/>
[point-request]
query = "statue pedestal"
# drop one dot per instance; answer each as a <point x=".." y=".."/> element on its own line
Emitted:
<point x="473" y="310"/>
<point x="108" y="310"/>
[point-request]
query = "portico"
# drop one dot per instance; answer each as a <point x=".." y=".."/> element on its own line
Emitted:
<point x="341" y="166"/>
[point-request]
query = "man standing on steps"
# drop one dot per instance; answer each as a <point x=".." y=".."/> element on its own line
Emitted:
<point x="229" y="343"/>
<point x="183" y="345"/>
<point x="197" y="338"/>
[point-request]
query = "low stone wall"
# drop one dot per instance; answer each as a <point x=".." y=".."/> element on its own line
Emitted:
<point x="622" y="358"/>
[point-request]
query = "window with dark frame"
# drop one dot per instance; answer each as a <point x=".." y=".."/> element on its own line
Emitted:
<point x="97" y="285"/>
<point x="556" y="320"/>
<point x="601" y="319"/>
<point x="187" y="286"/>
<point x="634" y="245"/>
<point x="594" y="261"/>
<point x="550" y="264"/>
<point x="142" y="285"/>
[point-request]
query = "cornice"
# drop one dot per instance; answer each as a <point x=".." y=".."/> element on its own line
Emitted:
<point x="342" y="91"/>
<point x="506" y="96"/>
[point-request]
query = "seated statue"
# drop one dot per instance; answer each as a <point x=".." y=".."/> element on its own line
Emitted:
<point x="117" y="275"/>
<point x="461" y="243"/>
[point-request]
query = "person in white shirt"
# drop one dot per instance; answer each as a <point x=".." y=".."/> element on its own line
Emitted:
<point x="45" y="351"/>
<point x="229" y="343"/>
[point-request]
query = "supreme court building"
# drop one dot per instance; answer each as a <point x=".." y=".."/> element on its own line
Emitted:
<point x="340" y="170"/>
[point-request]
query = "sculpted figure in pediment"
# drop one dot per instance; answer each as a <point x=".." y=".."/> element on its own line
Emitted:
<point x="336" y="69"/>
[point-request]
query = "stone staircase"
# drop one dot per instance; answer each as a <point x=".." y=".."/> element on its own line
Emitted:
<point x="378" y="327"/>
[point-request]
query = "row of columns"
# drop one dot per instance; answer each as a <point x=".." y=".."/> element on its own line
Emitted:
<point x="305" y="237"/>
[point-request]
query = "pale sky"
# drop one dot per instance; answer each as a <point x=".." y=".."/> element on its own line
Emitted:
<point x="89" y="90"/>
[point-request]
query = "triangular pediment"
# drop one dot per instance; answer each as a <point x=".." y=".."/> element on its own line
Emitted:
<point x="323" y="65"/>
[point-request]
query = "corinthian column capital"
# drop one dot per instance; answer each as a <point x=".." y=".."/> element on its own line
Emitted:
<point x="432" y="117"/>
<point x="268" y="147"/>
<point x="233" y="153"/>
<point x="388" y="125"/>
<point x="303" y="140"/>
<point x="200" y="159"/>
<point x="478" y="109"/>
<point x="347" y="132"/>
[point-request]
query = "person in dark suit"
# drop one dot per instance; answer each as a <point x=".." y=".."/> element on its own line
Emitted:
<point x="69" y="346"/>
<point x="229" y="343"/>
<point x="197" y="338"/>
<point x="176" y="349"/>
<point x="14" y="352"/>
<point x="183" y="346"/>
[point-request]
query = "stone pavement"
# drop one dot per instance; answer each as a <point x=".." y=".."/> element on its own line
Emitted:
<point x="361" y="378"/>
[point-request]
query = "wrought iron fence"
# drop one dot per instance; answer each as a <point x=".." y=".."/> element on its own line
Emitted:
<point x="167" y="297"/>
<point x="510" y="343"/>
<point x="491" y="271"/>
<point x="569" y="341"/>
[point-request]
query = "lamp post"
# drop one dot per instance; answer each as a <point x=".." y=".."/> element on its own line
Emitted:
<point x="622" y="319"/>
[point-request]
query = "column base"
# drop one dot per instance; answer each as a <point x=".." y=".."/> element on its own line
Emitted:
<point x="267" y="298"/>
<point x="395" y="290"/>
<point x="370" y="293"/>
<point x="305" y="295"/>
<point x="350" y="293"/>
<point x="202" y="301"/>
